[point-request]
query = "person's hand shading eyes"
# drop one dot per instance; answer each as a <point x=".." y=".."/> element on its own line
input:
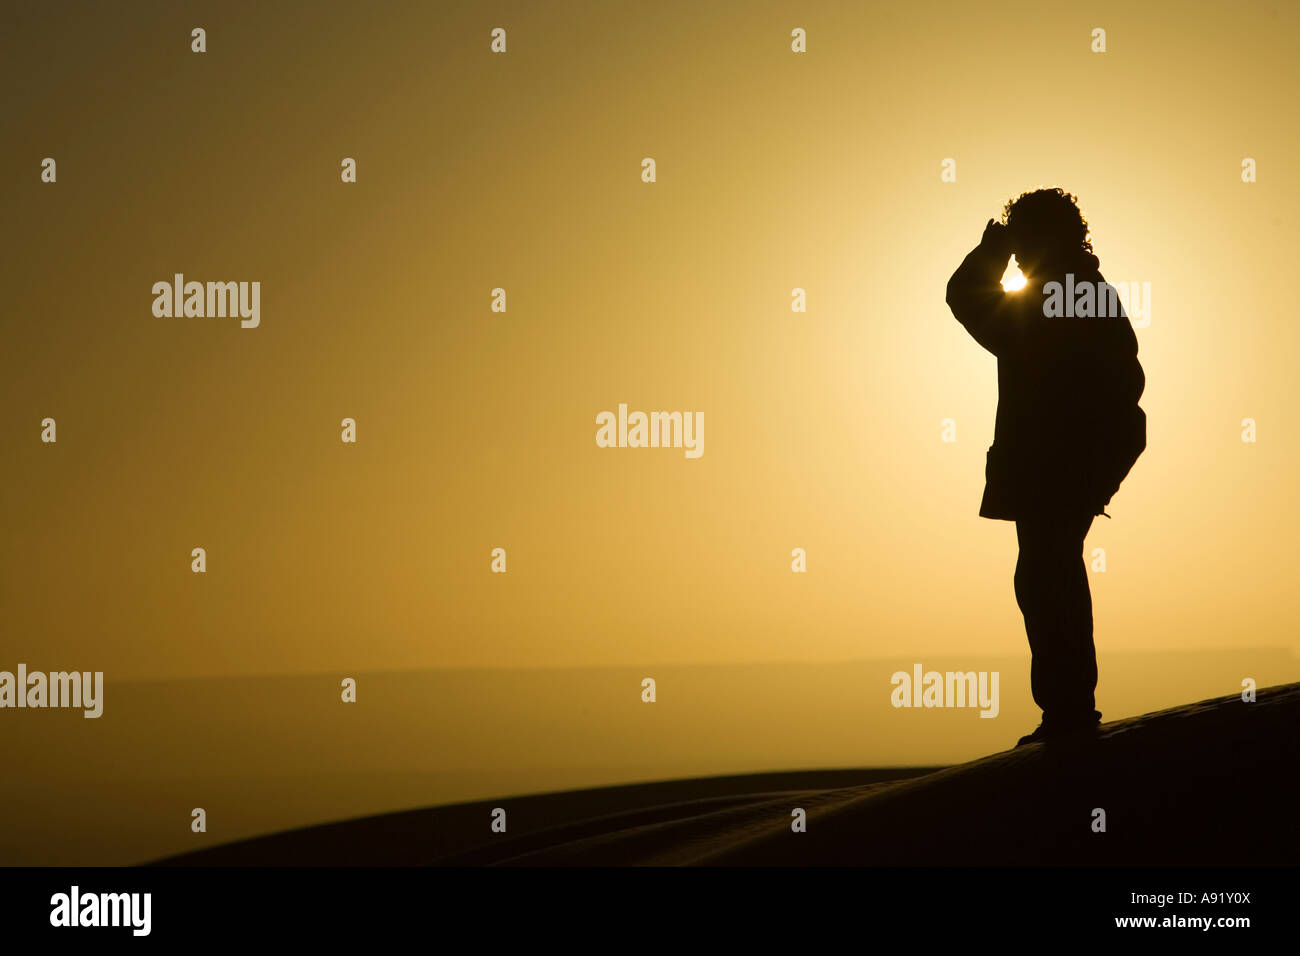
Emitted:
<point x="997" y="239"/>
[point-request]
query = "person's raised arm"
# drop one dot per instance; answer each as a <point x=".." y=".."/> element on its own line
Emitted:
<point x="975" y="291"/>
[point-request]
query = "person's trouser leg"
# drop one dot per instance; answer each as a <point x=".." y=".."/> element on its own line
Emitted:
<point x="1052" y="591"/>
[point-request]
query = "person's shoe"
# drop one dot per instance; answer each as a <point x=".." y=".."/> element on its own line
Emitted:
<point x="1038" y="736"/>
<point x="1077" y="731"/>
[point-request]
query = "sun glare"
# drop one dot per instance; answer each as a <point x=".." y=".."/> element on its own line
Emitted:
<point x="1013" y="280"/>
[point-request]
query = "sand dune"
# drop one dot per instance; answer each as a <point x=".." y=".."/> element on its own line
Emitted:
<point x="1216" y="782"/>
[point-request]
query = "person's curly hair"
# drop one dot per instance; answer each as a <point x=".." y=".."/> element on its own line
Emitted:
<point x="1050" y="216"/>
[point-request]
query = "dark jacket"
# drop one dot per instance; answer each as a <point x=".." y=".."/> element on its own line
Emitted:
<point x="1068" y="424"/>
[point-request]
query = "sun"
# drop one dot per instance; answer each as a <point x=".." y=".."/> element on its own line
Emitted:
<point x="1013" y="280"/>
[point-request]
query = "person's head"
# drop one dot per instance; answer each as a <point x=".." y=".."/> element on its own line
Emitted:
<point x="1046" y="228"/>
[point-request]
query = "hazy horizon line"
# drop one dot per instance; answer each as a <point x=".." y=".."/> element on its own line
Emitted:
<point x="1292" y="652"/>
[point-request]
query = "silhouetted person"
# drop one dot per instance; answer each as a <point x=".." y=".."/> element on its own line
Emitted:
<point x="1068" y="429"/>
